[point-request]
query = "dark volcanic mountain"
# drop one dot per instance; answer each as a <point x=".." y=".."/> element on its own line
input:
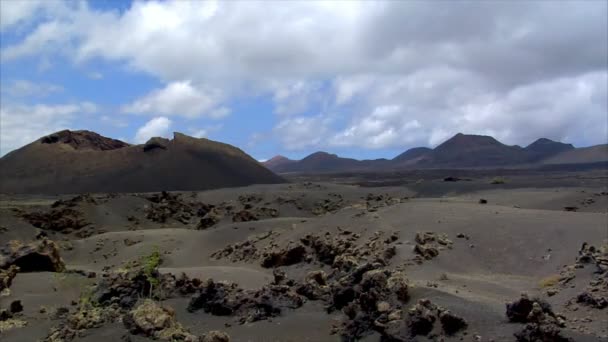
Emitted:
<point x="82" y="161"/>
<point x="544" y="148"/>
<point x="319" y="162"/>
<point x="460" y="151"/>
<point x="412" y="156"/>
<point x="276" y="161"/>
<point x="465" y="150"/>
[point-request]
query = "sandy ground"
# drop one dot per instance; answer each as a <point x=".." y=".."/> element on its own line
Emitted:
<point x="520" y="237"/>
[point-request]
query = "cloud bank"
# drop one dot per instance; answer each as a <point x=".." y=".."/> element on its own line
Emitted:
<point x="343" y="74"/>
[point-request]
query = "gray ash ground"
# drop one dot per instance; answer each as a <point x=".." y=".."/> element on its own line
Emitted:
<point x="311" y="261"/>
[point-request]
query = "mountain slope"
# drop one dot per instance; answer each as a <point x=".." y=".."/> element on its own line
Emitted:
<point x="544" y="148"/>
<point x="467" y="150"/>
<point x="319" y="162"/>
<point x="460" y="151"/>
<point x="412" y="156"/>
<point x="592" y="154"/>
<point x="82" y="161"/>
<point x="276" y="161"/>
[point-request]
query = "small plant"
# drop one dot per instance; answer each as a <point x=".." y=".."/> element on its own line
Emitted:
<point x="150" y="265"/>
<point x="549" y="281"/>
<point x="498" y="180"/>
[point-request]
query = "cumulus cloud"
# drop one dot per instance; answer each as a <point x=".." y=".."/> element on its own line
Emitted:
<point x="22" y="124"/>
<point x="13" y="13"/>
<point x="157" y="127"/>
<point x="179" y="98"/>
<point x="502" y="68"/>
<point x="385" y="126"/>
<point x="301" y="132"/>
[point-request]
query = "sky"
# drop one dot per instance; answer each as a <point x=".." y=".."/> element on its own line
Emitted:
<point x="362" y="79"/>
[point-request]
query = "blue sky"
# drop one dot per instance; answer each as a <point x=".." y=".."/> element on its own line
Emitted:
<point x="297" y="77"/>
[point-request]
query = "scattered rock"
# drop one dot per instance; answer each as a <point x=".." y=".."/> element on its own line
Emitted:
<point x="130" y="242"/>
<point x="541" y="333"/>
<point x="240" y="251"/>
<point x="63" y="219"/>
<point x="215" y="336"/>
<point x="152" y="320"/>
<point x="483" y="201"/>
<point x="519" y="310"/>
<point x="11" y="323"/>
<point x="37" y="256"/>
<point x="592" y="300"/>
<point x="60" y="313"/>
<point x="451" y="323"/>
<point x="16" y="307"/>
<point x="284" y="257"/>
<point x="244" y="216"/>
<point x="7" y="276"/>
<point x="428" y="245"/>
<point x="227" y="299"/>
<point x="542" y="324"/>
<point x="166" y="205"/>
<point x="210" y="219"/>
<point x="74" y="201"/>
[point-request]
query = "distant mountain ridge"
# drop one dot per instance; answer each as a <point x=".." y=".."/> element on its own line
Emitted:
<point x="84" y="161"/>
<point x="460" y="151"/>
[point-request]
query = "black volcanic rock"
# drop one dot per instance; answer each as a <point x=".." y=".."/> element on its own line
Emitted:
<point x="545" y="148"/>
<point x="83" y="140"/>
<point x="81" y="161"/>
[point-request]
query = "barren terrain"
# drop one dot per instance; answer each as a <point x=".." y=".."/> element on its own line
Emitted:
<point x="350" y="257"/>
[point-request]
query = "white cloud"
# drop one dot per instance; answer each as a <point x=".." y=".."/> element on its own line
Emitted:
<point x="297" y="97"/>
<point x="386" y="126"/>
<point x="114" y="121"/>
<point x="22" y="124"/>
<point x="501" y="68"/>
<point x="298" y="133"/>
<point x="25" y="88"/>
<point x="14" y="12"/>
<point x="205" y="131"/>
<point x="179" y="98"/>
<point x="397" y="113"/>
<point x="219" y="112"/>
<point x="157" y="127"/>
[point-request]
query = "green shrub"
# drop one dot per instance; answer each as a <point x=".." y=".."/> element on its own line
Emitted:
<point x="498" y="180"/>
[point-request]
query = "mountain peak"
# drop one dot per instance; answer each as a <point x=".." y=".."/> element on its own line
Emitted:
<point x="321" y="155"/>
<point x="543" y="148"/>
<point x="412" y="154"/>
<point x="276" y="161"/>
<point x="83" y="140"/>
<point x="464" y="141"/>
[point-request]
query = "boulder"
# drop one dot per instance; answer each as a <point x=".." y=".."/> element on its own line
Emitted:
<point x="37" y="256"/>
